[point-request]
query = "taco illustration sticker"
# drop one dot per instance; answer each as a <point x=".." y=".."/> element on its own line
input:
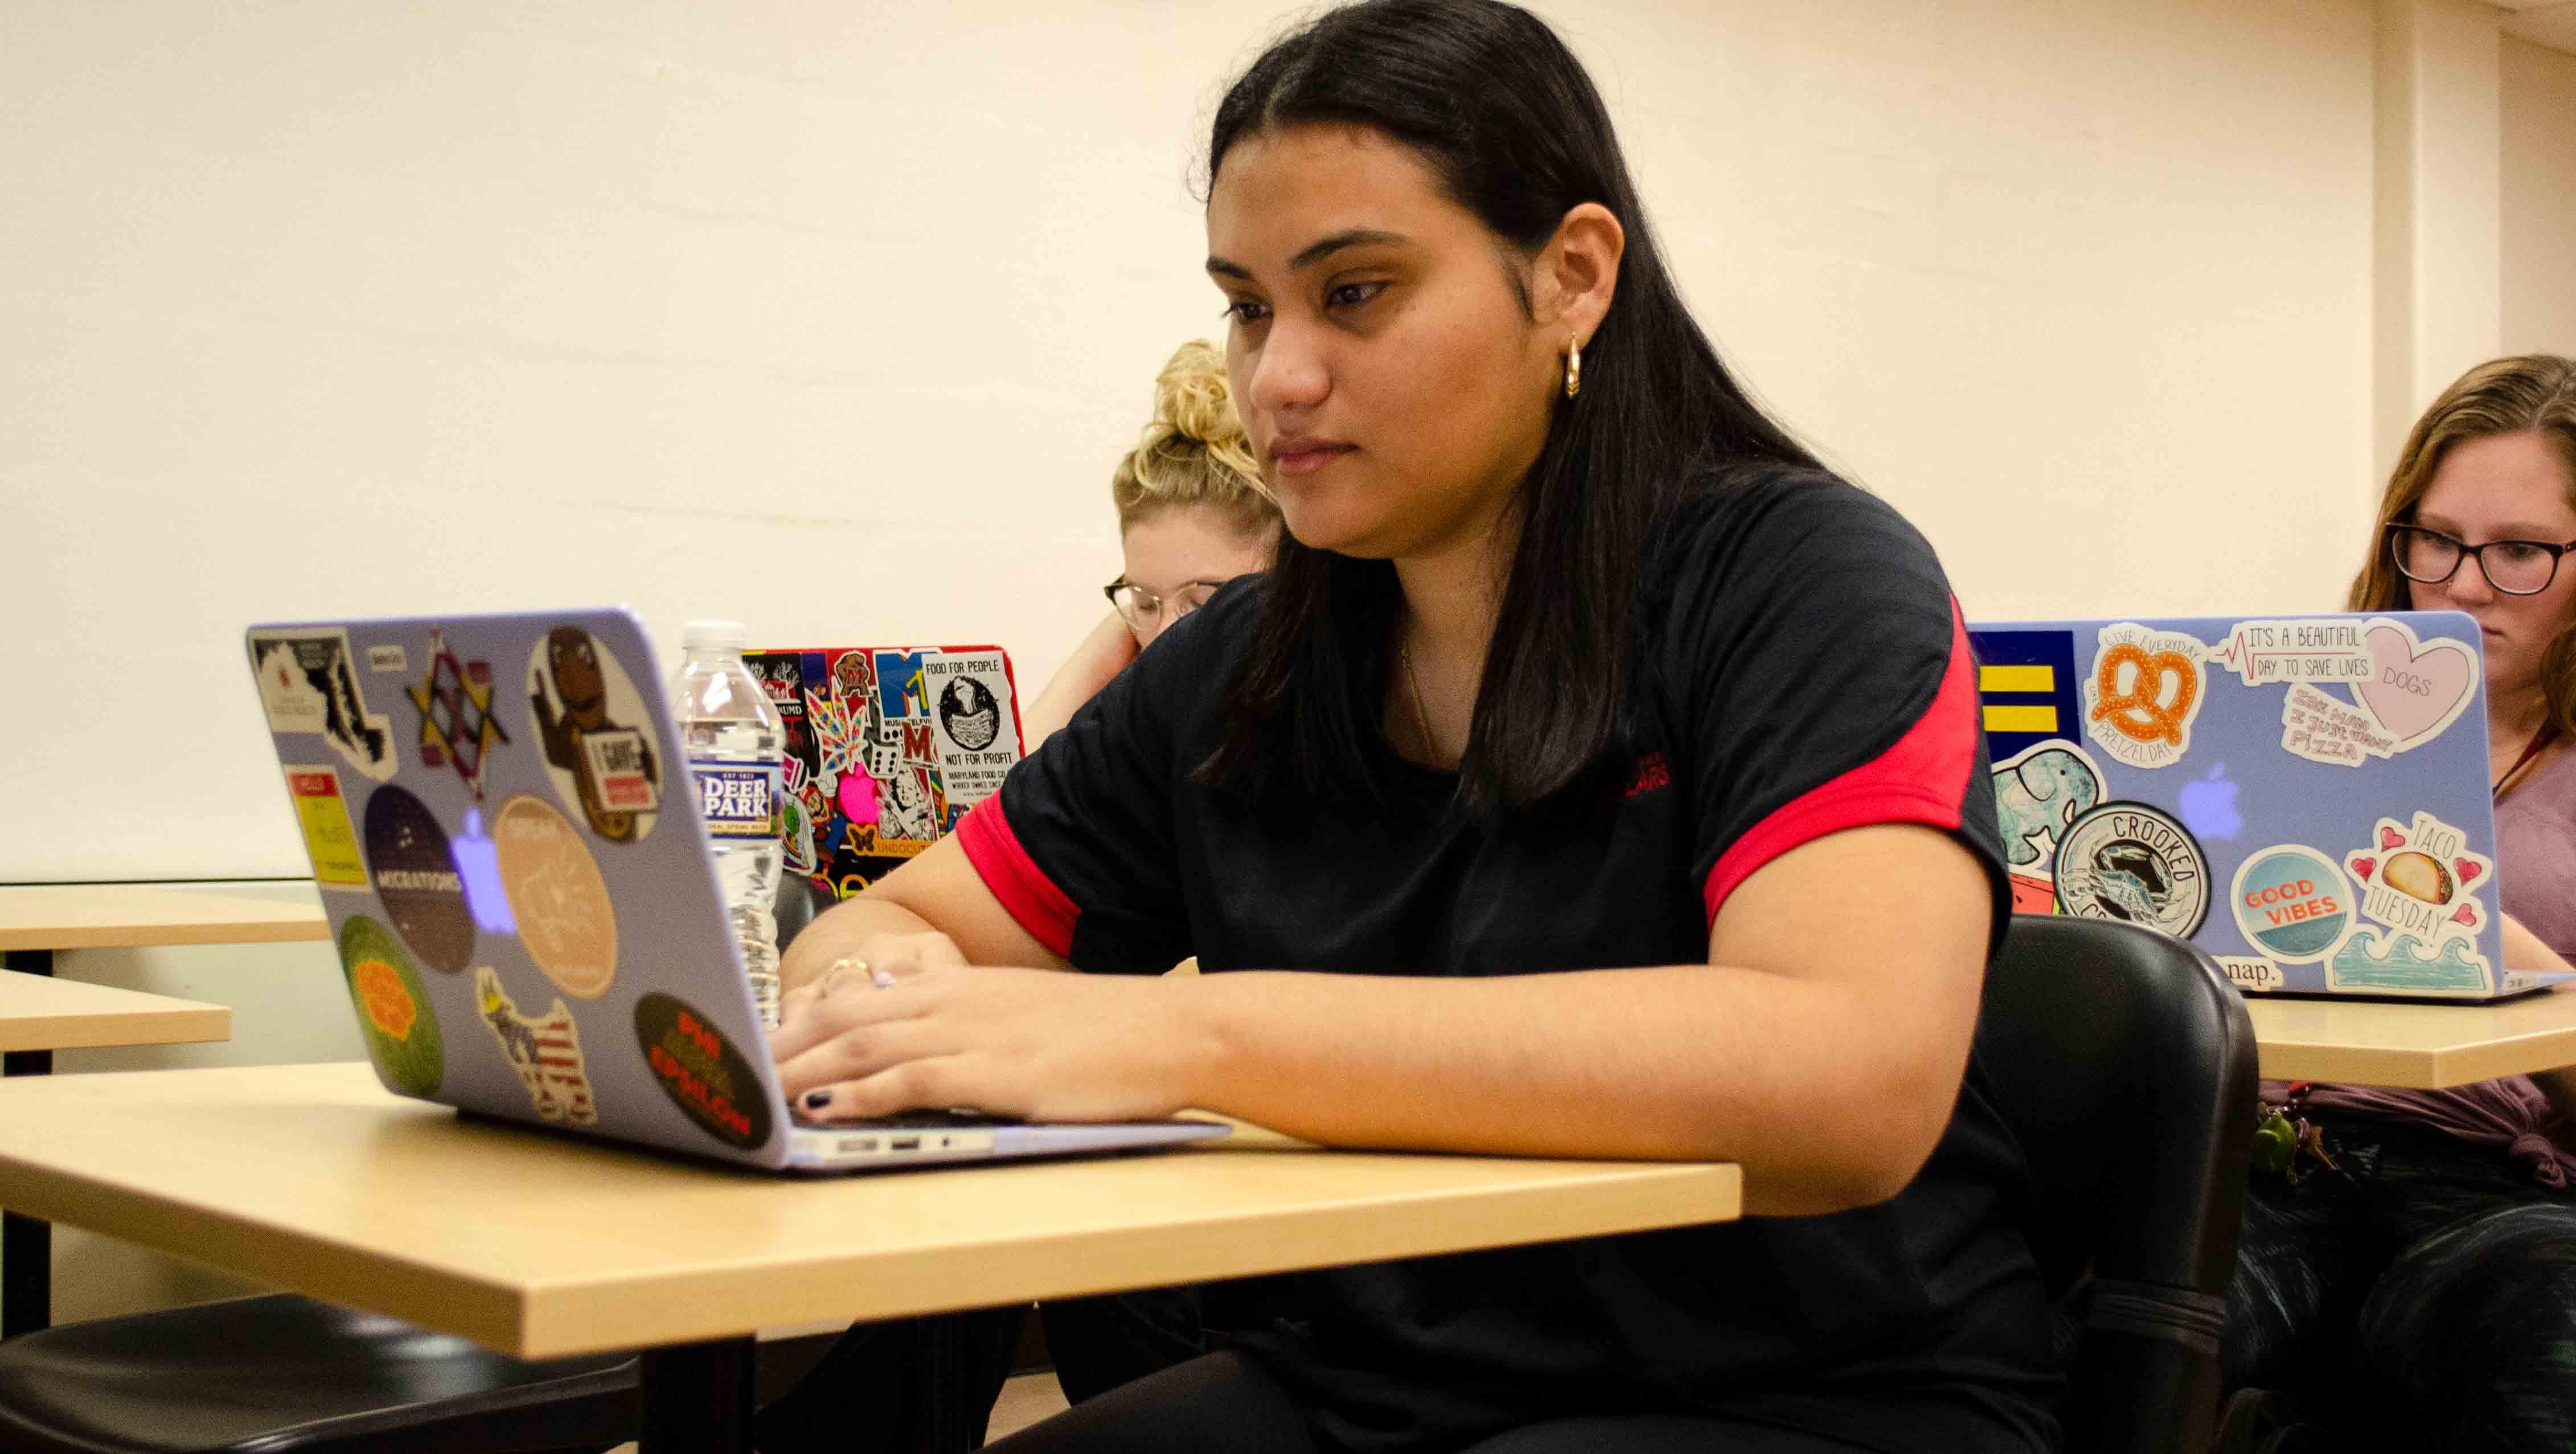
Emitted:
<point x="394" y="1016"/>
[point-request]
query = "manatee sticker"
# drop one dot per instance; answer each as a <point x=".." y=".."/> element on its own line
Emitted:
<point x="2039" y="794"/>
<point x="394" y="1015"/>
<point x="702" y="1074"/>
<point x="597" y="736"/>
<point x="557" y="896"/>
<point x="2133" y="863"/>
<point x="544" y="1049"/>
<point x="2292" y="902"/>
<point x="416" y="877"/>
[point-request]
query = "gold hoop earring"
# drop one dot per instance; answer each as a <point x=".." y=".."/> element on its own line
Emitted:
<point x="1573" y="367"/>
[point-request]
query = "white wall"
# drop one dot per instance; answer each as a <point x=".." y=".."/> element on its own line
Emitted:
<point x="2539" y="211"/>
<point x="833" y="317"/>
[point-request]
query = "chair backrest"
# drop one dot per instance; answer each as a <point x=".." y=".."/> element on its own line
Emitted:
<point x="798" y="900"/>
<point x="2125" y="1065"/>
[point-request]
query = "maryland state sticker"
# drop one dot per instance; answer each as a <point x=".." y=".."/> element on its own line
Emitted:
<point x="393" y="1008"/>
<point x="702" y="1074"/>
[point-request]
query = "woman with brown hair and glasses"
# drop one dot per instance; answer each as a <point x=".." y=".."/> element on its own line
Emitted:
<point x="2425" y="1292"/>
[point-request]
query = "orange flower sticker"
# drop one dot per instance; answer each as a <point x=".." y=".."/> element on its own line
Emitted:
<point x="381" y="994"/>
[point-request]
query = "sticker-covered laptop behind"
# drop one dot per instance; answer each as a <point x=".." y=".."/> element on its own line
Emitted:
<point x="2305" y="797"/>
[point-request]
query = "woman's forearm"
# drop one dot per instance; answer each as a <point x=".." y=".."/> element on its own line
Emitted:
<point x="1817" y="1093"/>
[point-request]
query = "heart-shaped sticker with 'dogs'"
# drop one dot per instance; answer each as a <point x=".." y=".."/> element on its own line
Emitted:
<point x="701" y="1071"/>
<point x="2416" y="688"/>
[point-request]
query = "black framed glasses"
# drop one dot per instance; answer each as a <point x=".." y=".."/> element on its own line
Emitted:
<point x="2515" y="567"/>
<point x="1145" y="610"/>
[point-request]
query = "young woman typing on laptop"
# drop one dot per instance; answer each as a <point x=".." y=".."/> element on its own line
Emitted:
<point x="1192" y="515"/>
<point x="1593" y="775"/>
<point x="2427" y="1293"/>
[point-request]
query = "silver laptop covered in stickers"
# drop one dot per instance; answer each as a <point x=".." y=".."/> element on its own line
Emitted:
<point x="526" y="911"/>
<point x="2304" y="797"/>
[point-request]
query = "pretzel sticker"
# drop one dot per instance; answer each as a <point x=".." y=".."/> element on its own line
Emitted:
<point x="2143" y="693"/>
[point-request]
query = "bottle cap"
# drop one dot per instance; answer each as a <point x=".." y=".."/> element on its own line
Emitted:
<point x="714" y="636"/>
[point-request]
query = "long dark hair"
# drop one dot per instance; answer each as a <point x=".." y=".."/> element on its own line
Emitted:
<point x="1502" y="113"/>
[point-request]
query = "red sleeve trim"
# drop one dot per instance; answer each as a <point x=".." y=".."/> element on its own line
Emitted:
<point x="1922" y="779"/>
<point x="1027" y="894"/>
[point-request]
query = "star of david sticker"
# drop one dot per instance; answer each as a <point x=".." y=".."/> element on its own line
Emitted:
<point x="457" y="728"/>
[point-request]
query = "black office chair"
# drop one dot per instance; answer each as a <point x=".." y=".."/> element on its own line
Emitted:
<point x="2124" y="1063"/>
<point x="283" y="1374"/>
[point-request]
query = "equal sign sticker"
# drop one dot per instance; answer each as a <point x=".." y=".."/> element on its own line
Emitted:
<point x="2026" y="687"/>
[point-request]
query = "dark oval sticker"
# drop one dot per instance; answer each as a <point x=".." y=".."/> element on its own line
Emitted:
<point x="701" y="1072"/>
<point x="416" y="877"/>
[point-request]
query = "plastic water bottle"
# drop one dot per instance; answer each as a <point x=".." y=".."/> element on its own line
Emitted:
<point x="736" y="744"/>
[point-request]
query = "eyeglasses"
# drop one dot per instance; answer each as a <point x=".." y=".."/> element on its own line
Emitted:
<point x="1145" y="610"/>
<point x="2517" y="567"/>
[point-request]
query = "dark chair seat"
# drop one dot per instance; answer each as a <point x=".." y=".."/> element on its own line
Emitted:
<point x="289" y="1373"/>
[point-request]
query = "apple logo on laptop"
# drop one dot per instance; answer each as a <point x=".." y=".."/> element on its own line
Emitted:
<point x="478" y="863"/>
<point x="2209" y="806"/>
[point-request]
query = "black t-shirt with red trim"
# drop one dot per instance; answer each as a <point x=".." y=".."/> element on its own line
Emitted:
<point x="1802" y="669"/>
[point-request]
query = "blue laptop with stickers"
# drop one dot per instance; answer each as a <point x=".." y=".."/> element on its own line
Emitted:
<point x="499" y="815"/>
<point x="2304" y="797"/>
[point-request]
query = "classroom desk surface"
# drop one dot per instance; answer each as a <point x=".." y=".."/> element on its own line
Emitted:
<point x="39" y="1013"/>
<point x="2414" y="1046"/>
<point x="314" y="1177"/>
<point x="123" y="916"/>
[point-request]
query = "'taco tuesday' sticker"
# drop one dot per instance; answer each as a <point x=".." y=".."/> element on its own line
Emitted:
<point x="416" y="878"/>
<point x="557" y="896"/>
<point x="2422" y="880"/>
<point x="544" y="1049"/>
<point x="329" y="837"/>
<point x="394" y="1016"/>
<point x="702" y="1074"/>
<point x="596" y="735"/>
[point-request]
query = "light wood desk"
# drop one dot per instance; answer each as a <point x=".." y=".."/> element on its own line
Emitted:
<point x="39" y="1016"/>
<point x="37" y="919"/>
<point x="313" y="1177"/>
<point x="2414" y="1046"/>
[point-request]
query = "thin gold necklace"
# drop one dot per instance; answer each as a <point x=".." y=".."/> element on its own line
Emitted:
<point x="1421" y="719"/>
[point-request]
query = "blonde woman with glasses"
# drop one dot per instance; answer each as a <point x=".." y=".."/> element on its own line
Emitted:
<point x="1192" y="515"/>
<point x="2422" y="1294"/>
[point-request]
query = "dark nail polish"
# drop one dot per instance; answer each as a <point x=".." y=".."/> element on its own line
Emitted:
<point x="816" y="1100"/>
